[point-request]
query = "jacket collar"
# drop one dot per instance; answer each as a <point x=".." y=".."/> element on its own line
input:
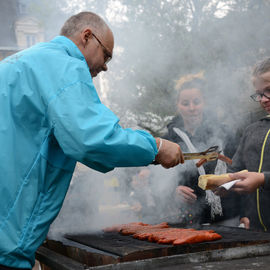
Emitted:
<point x="69" y="46"/>
<point x="266" y="117"/>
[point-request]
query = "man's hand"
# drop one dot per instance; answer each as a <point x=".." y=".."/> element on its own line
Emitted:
<point x="186" y="194"/>
<point x="169" y="154"/>
<point x="250" y="181"/>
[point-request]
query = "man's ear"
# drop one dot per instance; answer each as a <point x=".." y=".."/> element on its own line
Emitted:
<point x="86" y="34"/>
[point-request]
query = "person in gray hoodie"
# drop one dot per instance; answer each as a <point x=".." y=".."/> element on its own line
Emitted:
<point x="253" y="154"/>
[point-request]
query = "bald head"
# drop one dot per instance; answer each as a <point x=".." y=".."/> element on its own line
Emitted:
<point x="93" y="37"/>
<point x="77" y="23"/>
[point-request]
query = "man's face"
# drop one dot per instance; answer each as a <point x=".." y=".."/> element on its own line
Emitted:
<point x="97" y="52"/>
<point x="262" y="85"/>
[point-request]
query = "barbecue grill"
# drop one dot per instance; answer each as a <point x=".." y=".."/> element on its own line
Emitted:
<point x="115" y="251"/>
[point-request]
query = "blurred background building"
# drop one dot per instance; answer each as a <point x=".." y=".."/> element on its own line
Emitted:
<point x="18" y="30"/>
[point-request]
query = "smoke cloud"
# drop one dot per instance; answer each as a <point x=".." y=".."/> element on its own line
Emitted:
<point x="152" y="53"/>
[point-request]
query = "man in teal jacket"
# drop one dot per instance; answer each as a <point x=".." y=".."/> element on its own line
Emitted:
<point x="51" y="117"/>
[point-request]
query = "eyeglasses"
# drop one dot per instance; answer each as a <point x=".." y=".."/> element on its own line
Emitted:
<point x="106" y="52"/>
<point x="258" y="96"/>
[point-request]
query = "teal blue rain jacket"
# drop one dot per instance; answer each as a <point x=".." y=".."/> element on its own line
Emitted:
<point x="51" y="117"/>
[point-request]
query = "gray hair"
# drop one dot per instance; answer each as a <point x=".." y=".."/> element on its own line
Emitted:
<point x="261" y="67"/>
<point x="78" y="22"/>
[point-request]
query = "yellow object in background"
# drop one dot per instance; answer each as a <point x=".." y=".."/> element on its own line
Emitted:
<point x="113" y="182"/>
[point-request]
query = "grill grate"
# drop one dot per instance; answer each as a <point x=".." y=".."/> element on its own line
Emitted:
<point x="127" y="248"/>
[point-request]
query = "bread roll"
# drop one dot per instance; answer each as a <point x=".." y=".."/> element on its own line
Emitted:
<point x="212" y="181"/>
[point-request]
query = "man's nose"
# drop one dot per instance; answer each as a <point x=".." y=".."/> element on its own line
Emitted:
<point x="104" y="67"/>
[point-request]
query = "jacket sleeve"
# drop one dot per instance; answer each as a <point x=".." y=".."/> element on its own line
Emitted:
<point x="89" y="132"/>
<point x="266" y="185"/>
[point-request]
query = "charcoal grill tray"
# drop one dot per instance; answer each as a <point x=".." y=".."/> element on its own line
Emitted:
<point x="128" y="248"/>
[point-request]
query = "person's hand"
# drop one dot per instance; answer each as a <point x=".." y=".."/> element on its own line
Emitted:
<point x="245" y="221"/>
<point x="186" y="194"/>
<point x="250" y="181"/>
<point x="169" y="154"/>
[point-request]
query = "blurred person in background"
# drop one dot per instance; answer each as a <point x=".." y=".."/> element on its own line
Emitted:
<point x="141" y="197"/>
<point x="196" y="130"/>
<point x="51" y="117"/>
<point x="253" y="154"/>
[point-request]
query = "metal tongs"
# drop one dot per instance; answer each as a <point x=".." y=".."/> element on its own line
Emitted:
<point x="210" y="154"/>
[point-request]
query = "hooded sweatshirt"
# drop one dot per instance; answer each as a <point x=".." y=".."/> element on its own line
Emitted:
<point x="247" y="157"/>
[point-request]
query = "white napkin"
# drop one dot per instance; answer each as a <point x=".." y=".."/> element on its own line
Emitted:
<point x="228" y="185"/>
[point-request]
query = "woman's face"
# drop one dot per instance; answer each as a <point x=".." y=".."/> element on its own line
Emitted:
<point x="190" y="106"/>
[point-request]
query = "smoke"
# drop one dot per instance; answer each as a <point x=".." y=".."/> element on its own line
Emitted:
<point x="96" y="201"/>
<point x="153" y="51"/>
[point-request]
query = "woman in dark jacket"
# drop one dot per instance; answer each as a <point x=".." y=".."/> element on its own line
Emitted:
<point x="202" y="132"/>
